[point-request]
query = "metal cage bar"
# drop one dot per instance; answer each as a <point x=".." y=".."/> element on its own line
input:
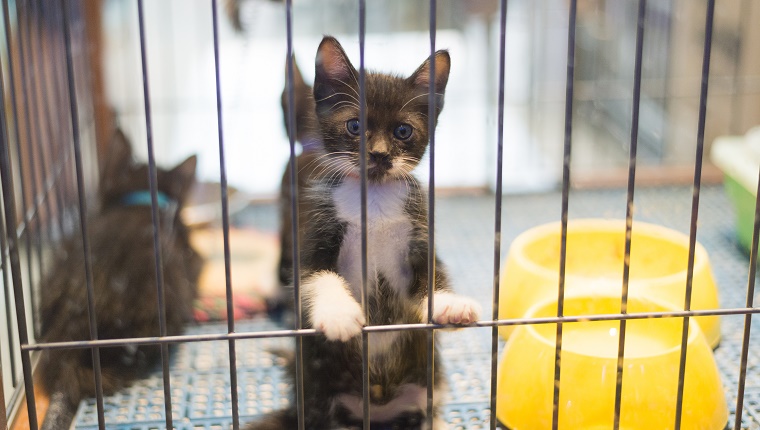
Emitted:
<point x="695" y="203"/>
<point x="39" y="78"/>
<point x="83" y="217"/>
<point x="294" y="218"/>
<point x="225" y="222"/>
<point x="12" y="86"/>
<point x="363" y="212"/>
<point x="497" y="217"/>
<point x="157" y="340"/>
<point x="153" y="181"/>
<point x="32" y="137"/>
<point x="53" y="15"/>
<point x="9" y="207"/>
<point x="629" y="207"/>
<point x="565" y="200"/>
<point x="431" y="218"/>
<point x="748" y="317"/>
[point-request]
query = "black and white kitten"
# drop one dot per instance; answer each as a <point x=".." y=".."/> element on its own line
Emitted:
<point x="397" y="137"/>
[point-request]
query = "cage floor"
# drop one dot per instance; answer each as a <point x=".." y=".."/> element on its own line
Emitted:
<point x="200" y="371"/>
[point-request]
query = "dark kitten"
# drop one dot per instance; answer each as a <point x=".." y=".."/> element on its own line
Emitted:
<point x="124" y="281"/>
<point x="397" y="137"/>
<point x="306" y="130"/>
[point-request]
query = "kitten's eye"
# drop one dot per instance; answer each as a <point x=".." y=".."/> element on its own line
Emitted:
<point x="352" y="125"/>
<point x="403" y="132"/>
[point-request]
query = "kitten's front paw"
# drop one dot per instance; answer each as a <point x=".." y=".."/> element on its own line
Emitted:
<point x="339" y="321"/>
<point x="450" y="308"/>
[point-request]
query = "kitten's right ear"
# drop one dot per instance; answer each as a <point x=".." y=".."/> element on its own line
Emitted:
<point x="332" y="68"/>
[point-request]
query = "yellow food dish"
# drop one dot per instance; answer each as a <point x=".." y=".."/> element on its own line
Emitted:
<point x="589" y="366"/>
<point x="595" y="253"/>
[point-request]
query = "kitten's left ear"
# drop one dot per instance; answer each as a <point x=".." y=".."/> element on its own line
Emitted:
<point x="422" y="76"/>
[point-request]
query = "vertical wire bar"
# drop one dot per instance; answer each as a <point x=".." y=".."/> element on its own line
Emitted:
<point x="83" y="217"/>
<point x="497" y="223"/>
<point x="363" y="211"/>
<point x="294" y="218"/>
<point x="50" y="63"/>
<point x="12" y="86"/>
<point x="736" y="112"/>
<point x="3" y="411"/>
<point x="31" y="137"/>
<point x="7" y="296"/>
<point x="695" y="203"/>
<point x="67" y="170"/>
<point x="748" y="317"/>
<point x="225" y="222"/>
<point x="9" y="207"/>
<point x="431" y="218"/>
<point x="565" y="199"/>
<point x="152" y="176"/>
<point x="38" y="98"/>
<point x="640" y="21"/>
<point x="41" y="88"/>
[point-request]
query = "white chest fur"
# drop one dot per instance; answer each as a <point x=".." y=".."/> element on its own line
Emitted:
<point x="388" y="233"/>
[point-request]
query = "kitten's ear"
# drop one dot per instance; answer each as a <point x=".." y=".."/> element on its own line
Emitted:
<point x="118" y="158"/>
<point x="422" y="76"/>
<point x="332" y="67"/>
<point x="185" y="171"/>
<point x="298" y="80"/>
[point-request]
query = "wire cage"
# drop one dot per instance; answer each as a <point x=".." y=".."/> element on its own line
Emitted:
<point x="221" y="375"/>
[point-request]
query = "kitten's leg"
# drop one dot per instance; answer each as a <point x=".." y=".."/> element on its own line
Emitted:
<point x="451" y="308"/>
<point x="332" y="309"/>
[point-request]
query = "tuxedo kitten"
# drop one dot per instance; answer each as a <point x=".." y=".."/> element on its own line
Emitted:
<point x="124" y="282"/>
<point x="397" y="137"/>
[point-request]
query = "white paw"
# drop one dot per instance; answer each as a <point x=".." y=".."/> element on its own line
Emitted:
<point x="450" y="308"/>
<point x="338" y="321"/>
<point x="334" y="311"/>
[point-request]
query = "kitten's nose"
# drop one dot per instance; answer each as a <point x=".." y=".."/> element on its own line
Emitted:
<point x="379" y="156"/>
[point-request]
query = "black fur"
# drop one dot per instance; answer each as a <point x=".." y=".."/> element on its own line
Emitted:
<point x="124" y="282"/>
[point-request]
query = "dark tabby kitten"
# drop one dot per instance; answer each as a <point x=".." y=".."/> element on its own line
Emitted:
<point x="308" y="164"/>
<point x="397" y="137"/>
<point x="124" y="280"/>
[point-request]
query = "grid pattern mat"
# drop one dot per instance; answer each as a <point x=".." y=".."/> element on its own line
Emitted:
<point x="200" y="370"/>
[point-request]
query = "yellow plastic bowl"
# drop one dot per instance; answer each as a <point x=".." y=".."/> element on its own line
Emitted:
<point x="595" y="251"/>
<point x="588" y="372"/>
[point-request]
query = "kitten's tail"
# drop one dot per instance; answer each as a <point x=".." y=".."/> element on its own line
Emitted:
<point x="306" y="127"/>
<point x="60" y="412"/>
<point x="67" y="382"/>
<point x="278" y="420"/>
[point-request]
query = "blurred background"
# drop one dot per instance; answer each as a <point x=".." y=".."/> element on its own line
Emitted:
<point x="180" y="55"/>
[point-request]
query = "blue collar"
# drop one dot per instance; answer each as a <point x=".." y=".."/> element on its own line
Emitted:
<point x="143" y="198"/>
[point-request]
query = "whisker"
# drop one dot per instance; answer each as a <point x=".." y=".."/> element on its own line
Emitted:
<point x="338" y="94"/>
<point x="416" y="97"/>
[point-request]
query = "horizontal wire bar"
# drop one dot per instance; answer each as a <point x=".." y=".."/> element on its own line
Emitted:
<point x="387" y="328"/>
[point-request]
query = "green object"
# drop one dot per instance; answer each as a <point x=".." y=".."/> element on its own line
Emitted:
<point x="744" y="206"/>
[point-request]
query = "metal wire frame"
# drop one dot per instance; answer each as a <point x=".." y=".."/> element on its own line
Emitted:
<point x="498" y="213"/>
<point x="695" y="202"/>
<point x="629" y="208"/>
<point x="560" y="319"/>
